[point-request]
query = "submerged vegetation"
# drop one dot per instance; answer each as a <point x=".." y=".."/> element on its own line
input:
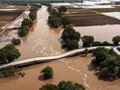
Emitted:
<point x="70" y="38"/>
<point x="47" y="72"/>
<point x="63" y="85"/>
<point x="8" y="54"/>
<point x="108" y="62"/>
<point x="28" y="22"/>
<point x="56" y="18"/>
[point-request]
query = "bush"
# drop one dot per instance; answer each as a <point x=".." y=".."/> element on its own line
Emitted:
<point x="16" y="41"/>
<point x="8" y="72"/>
<point x="97" y="43"/>
<point x="27" y="22"/>
<point x="8" y="54"/>
<point x="47" y="72"/>
<point x="23" y="32"/>
<point x="63" y="85"/>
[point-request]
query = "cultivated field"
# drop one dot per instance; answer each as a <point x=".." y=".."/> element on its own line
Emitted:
<point x="88" y="17"/>
<point x="9" y="13"/>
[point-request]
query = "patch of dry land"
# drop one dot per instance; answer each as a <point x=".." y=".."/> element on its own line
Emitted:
<point x="9" y="13"/>
<point x="88" y="17"/>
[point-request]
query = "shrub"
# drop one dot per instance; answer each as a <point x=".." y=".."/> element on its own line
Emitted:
<point x="16" y="41"/>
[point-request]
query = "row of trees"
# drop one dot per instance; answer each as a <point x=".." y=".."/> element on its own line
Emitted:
<point x="108" y="62"/>
<point x="28" y="22"/>
<point x="56" y="17"/>
<point x="63" y="85"/>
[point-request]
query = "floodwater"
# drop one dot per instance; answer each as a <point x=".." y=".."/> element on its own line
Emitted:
<point x="76" y="69"/>
<point x="44" y="41"/>
<point x="41" y="40"/>
<point x="100" y="33"/>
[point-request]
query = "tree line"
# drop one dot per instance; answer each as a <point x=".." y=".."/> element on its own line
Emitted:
<point x="28" y="22"/>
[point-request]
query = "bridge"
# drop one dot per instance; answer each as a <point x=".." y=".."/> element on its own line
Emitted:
<point x="32" y="61"/>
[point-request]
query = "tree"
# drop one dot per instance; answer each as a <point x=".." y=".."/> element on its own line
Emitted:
<point x="23" y="32"/>
<point x="54" y="21"/>
<point x="70" y="38"/>
<point x="32" y="16"/>
<point x="100" y="55"/>
<point x="105" y="43"/>
<point x="47" y="72"/>
<point x="87" y="41"/>
<point x="97" y="43"/>
<point x="49" y="87"/>
<point x="116" y="39"/>
<point x="62" y="9"/>
<point x="16" y="41"/>
<point x="72" y="44"/>
<point x="64" y="21"/>
<point x="69" y="85"/>
<point x="86" y="51"/>
<point x="63" y="85"/>
<point x="8" y="54"/>
<point x="27" y="22"/>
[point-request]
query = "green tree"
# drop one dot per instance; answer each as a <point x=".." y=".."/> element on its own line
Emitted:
<point x="47" y="72"/>
<point x="49" y="87"/>
<point x="54" y="21"/>
<point x="8" y="54"/>
<point x="87" y="41"/>
<point x="116" y="39"/>
<point x="23" y="32"/>
<point x="69" y="85"/>
<point x="70" y="38"/>
<point x="64" y="21"/>
<point x="32" y="16"/>
<point x="16" y="41"/>
<point x="105" y="43"/>
<point x="62" y="9"/>
<point x="27" y="22"/>
<point x="97" y="43"/>
<point x="72" y="44"/>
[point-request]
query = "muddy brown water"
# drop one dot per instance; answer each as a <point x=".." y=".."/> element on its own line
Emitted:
<point x="74" y="69"/>
<point x="44" y="41"/>
<point x="41" y="40"/>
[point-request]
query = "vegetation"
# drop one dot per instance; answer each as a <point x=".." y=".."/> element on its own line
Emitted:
<point x="70" y="38"/>
<point x="8" y="54"/>
<point x="47" y="72"/>
<point x="28" y="22"/>
<point x="108" y="62"/>
<point x="87" y="41"/>
<point x="23" y="32"/>
<point x="16" y="41"/>
<point x="56" y="17"/>
<point x="63" y="85"/>
<point x="98" y="43"/>
<point x="8" y="72"/>
<point x="62" y="9"/>
<point x="116" y="39"/>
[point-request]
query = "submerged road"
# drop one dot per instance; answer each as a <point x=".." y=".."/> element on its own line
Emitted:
<point x="51" y="58"/>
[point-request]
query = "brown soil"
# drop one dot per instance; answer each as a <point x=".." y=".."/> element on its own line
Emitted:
<point x="92" y="20"/>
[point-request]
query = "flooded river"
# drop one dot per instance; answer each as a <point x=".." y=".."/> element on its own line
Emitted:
<point x="44" y="41"/>
<point x="76" y="69"/>
<point x="41" y="40"/>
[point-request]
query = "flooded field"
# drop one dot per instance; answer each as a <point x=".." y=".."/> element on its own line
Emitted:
<point x="9" y="13"/>
<point x="76" y="69"/>
<point x="45" y="41"/>
<point x="100" y="33"/>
